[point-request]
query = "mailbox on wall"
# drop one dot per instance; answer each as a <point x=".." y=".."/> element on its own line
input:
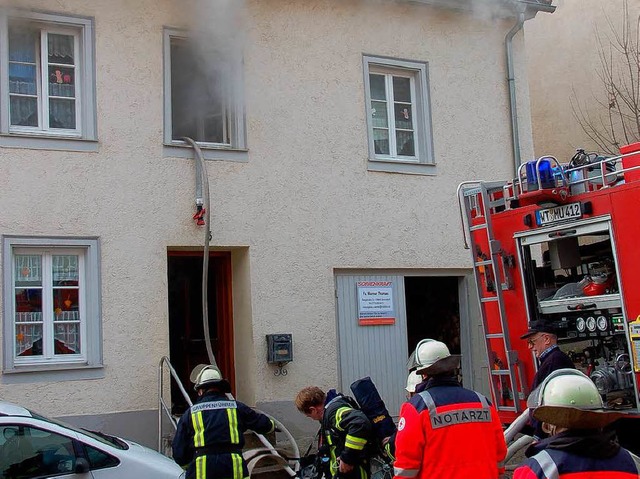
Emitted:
<point x="279" y="348"/>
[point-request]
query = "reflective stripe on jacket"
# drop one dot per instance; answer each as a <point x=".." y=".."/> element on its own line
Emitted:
<point x="210" y="437"/>
<point x="555" y="464"/>
<point x="447" y="431"/>
<point x="347" y="431"/>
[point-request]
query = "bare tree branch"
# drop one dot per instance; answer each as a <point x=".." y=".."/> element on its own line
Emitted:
<point x="612" y="117"/>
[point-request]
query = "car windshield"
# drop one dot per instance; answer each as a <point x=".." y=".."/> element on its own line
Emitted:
<point x="98" y="436"/>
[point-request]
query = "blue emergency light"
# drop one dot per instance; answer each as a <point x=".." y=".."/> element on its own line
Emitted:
<point x="548" y="174"/>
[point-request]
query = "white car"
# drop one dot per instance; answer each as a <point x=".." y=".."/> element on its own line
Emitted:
<point x="33" y="446"/>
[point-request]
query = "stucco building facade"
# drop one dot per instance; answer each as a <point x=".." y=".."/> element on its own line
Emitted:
<point x="565" y="71"/>
<point x="335" y="132"/>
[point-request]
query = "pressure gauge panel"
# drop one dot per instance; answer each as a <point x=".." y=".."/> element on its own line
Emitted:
<point x="591" y="324"/>
<point x="580" y="324"/>
<point x="602" y="323"/>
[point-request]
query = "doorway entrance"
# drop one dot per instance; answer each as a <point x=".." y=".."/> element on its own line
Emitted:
<point x="433" y="310"/>
<point x="187" y="346"/>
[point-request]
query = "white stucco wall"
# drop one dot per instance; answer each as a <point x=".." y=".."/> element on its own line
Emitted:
<point x="303" y="204"/>
<point x="563" y="57"/>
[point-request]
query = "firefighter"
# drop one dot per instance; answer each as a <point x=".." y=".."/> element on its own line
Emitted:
<point x="580" y="446"/>
<point x="542" y="340"/>
<point x="389" y="444"/>
<point x="447" y="431"/>
<point x="345" y="429"/>
<point x="210" y="435"/>
<point x="412" y="382"/>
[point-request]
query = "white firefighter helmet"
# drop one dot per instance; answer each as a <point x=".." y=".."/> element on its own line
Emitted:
<point x="208" y="375"/>
<point x="412" y="381"/>
<point x="433" y="357"/>
<point x="568" y="398"/>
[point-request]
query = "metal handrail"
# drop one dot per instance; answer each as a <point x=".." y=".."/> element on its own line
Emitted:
<point x="162" y="405"/>
<point x="569" y="180"/>
<point x="164" y="408"/>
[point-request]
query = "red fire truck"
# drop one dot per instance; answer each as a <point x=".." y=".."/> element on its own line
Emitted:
<point x="560" y="243"/>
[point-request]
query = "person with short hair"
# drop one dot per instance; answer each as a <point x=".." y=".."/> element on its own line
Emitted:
<point x="346" y="431"/>
<point x="543" y="342"/>
<point x="580" y="446"/>
<point x="210" y="435"/>
<point x="445" y="430"/>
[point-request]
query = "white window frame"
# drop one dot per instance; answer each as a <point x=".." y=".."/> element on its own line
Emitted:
<point x="423" y="160"/>
<point x="89" y="304"/>
<point x="236" y="149"/>
<point x="42" y="136"/>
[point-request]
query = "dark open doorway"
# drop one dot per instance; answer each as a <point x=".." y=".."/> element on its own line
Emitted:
<point x="187" y="347"/>
<point x="433" y="310"/>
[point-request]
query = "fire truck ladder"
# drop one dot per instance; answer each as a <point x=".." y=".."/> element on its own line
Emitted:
<point x="482" y="199"/>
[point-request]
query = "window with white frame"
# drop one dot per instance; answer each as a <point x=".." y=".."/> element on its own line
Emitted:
<point x="51" y="303"/>
<point x="47" y="65"/>
<point x="203" y="97"/>
<point x="398" y="115"/>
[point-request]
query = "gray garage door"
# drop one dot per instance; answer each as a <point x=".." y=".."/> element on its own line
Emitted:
<point x="372" y="334"/>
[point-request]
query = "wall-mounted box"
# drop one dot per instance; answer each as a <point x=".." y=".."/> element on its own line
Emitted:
<point x="279" y="348"/>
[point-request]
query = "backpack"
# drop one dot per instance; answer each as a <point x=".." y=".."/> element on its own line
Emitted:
<point x="368" y="400"/>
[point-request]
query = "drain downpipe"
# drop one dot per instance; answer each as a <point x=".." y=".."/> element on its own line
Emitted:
<point x="511" y="79"/>
<point x="527" y="9"/>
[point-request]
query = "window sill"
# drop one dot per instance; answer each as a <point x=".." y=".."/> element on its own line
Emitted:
<point x="173" y="150"/>
<point x="34" y="142"/>
<point x="394" y="166"/>
<point x="51" y="372"/>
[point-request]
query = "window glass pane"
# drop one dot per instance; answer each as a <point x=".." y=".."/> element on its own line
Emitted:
<point x="66" y="338"/>
<point x="62" y="114"/>
<point x="99" y="459"/>
<point x="31" y="453"/>
<point x="65" y="304"/>
<point x="405" y="143"/>
<point x="403" y="116"/>
<point x="22" y="79"/>
<point x="29" y="339"/>
<point x="197" y="96"/>
<point x="28" y="270"/>
<point x="24" y="111"/>
<point x="376" y="84"/>
<point x="62" y="81"/>
<point x="18" y="456"/>
<point x="28" y="301"/>
<point x="65" y="270"/>
<point x="22" y="44"/>
<point x="23" y="76"/>
<point x="60" y="49"/>
<point x="381" y="141"/>
<point x="379" y="114"/>
<point x="402" y="89"/>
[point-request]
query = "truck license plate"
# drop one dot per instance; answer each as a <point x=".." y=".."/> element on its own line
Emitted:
<point x="558" y="214"/>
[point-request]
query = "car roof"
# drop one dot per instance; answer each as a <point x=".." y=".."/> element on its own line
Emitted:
<point x="10" y="409"/>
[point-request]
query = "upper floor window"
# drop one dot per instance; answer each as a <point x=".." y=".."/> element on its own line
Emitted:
<point x="203" y="95"/>
<point x="398" y="115"/>
<point x="48" y="80"/>
<point x="51" y="304"/>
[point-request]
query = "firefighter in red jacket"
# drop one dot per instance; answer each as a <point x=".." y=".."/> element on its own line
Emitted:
<point x="579" y="446"/>
<point x="447" y="431"/>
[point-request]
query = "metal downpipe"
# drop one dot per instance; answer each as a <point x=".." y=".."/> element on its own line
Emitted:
<point x="513" y="110"/>
<point x="202" y="185"/>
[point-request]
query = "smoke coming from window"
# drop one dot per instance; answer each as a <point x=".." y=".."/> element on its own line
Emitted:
<point x="206" y="71"/>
